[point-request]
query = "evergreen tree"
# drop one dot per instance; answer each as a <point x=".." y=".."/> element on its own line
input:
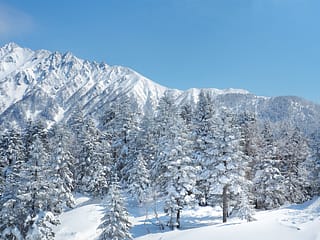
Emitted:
<point x="74" y="133"/>
<point x="29" y="199"/>
<point x="101" y="170"/>
<point x="181" y="180"/>
<point x="121" y="128"/>
<point x="204" y="150"/>
<point x="115" y="223"/>
<point x="11" y="224"/>
<point x="270" y="187"/>
<point x="186" y="114"/>
<point x="147" y="140"/>
<point x="12" y="212"/>
<point x="163" y="133"/>
<point x="251" y="136"/>
<point x="32" y="131"/>
<point x="139" y="180"/>
<point x="62" y="161"/>
<point x="180" y="176"/>
<point x="90" y="172"/>
<point x="229" y="177"/>
<point x="314" y="165"/>
<point x="147" y="145"/>
<point x="76" y="122"/>
<point x="11" y="154"/>
<point x="269" y="182"/>
<point x="244" y="208"/>
<point x="294" y="153"/>
<point x="249" y="141"/>
<point x="39" y="198"/>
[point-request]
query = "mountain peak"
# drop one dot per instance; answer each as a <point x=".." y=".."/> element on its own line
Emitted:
<point x="10" y="46"/>
<point x="68" y="56"/>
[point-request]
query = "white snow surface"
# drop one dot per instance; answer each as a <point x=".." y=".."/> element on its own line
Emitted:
<point x="292" y="222"/>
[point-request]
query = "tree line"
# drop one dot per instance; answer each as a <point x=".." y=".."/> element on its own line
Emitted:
<point x="185" y="156"/>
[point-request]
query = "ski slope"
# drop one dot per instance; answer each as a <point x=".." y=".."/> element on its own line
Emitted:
<point x="292" y="222"/>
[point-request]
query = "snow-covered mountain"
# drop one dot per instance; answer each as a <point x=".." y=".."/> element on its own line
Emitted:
<point x="42" y="84"/>
<point x="50" y="85"/>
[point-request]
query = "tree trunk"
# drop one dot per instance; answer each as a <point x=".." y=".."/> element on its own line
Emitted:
<point x="171" y="223"/>
<point x="178" y="218"/>
<point x="225" y="204"/>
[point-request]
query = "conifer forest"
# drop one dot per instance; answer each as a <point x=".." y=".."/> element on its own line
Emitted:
<point x="182" y="155"/>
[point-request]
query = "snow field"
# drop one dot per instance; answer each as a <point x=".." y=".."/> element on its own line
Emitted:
<point x="292" y="222"/>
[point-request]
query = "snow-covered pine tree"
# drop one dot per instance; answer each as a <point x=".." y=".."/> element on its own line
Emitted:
<point x="29" y="132"/>
<point x="146" y="143"/>
<point x="90" y="172"/>
<point x="204" y="149"/>
<point x="249" y="126"/>
<point x="181" y="179"/>
<point x="244" y="208"/>
<point x="37" y="196"/>
<point x="314" y="143"/>
<point x="86" y="139"/>
<point x="270" y="187"/>
<point x="120" y="128"/>
<point x="181" y="173"/>
<point x="163" y="134"/>
<point x="76" y="122"/>
<point x="294" y="152"/>
<point x="11" y="152"/>
<point x="138" y="183"/>
<point x="102" y="169"/>
<point x="230" y="166"/>
<point x="62" y="161"/>
<point x="12" y="212"/>
<point x="186" y="113"/>
<point x="74" y="133"/>
<point x="269" y="183"/>
<point x="133" y="150"/>
<point x="172" y="163"/>
<point x="250" y="140"/>
<point x="115" y="223"/>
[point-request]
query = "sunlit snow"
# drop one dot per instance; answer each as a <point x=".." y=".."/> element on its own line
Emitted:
<point x="292" y="222"/>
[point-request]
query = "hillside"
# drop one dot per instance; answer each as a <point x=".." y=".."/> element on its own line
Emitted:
<point x="50" y="86"/>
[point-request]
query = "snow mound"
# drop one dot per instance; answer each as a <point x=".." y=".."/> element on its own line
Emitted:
<point x="80" y="223"/>
<point x="297" y="216"/>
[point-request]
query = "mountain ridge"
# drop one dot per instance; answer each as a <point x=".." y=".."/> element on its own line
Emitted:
<point x="49" y="85"/>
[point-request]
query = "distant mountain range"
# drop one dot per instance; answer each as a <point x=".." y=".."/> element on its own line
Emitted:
<point x="50" y="86"/>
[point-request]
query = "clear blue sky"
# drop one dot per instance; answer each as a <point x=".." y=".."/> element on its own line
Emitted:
<point x="269" y="47"/>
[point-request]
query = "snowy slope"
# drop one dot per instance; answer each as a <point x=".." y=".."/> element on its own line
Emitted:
<point x="51" y="85"/>
<point x="42" y="84"/>
<point x="294" y="222"/>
